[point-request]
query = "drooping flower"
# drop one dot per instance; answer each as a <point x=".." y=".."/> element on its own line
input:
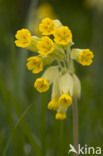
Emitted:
<point x="35" y="64"/>
<point x="53" y="104"/>
<point x="65" y="100"/>
<point x="23" y="38"/>
<point x="60" y="116"/>
<point x="41" y="84"/>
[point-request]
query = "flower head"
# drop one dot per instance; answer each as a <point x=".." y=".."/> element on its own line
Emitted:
<point x="65" y="100"/>
<point x="85" y="57"/>
<point x="60" y="115"/>
<point x="47" y="26"/>
<point x="53" y="104"/>
<point x="35" y="64"/>
<point x="45" y="46"/>
<point x="23" y="38"/>
<point x="41" y="84"/>
<point x="65" y="84"/>
<point x="62" y="35"/>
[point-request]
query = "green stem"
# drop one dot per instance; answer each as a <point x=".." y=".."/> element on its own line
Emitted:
<point x="75" y="125"/>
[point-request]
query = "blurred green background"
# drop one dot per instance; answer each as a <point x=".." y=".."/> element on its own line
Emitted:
<point x="37" y="133"/>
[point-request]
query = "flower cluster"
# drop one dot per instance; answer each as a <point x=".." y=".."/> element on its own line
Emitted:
<point x="55" y="44"/>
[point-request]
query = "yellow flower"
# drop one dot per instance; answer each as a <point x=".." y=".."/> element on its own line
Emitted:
<point x="35" y="64"/>
<point x="45" y="46"/>
<point x="65" y="100"/>
<point x="62" y="35"/>
<point x="53" y="104"/>
<point x="47" y="26"/>
<point x="41" y="84"/>
<point x="23" y="37"/>
<point x="61" y="116"/>
<point x="85" y="57"/>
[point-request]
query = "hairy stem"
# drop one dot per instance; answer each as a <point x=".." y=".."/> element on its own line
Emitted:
<point x="75" y="125"/>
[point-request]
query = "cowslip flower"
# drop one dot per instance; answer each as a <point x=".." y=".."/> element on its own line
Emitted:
<point x="83" y="56"/>
<point x="23" y="38"/>
<point x="53" y="104"/>
<point x="61" y="116"/>
<point x="42" y="85"/>
<point x="65" y="100"/>
<point x="35" y="64"/>
<point x="62" y="35"/>
<point x="61" y="77"/>
<point x="45" y="46"/>
<point x="47" y="26"/>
